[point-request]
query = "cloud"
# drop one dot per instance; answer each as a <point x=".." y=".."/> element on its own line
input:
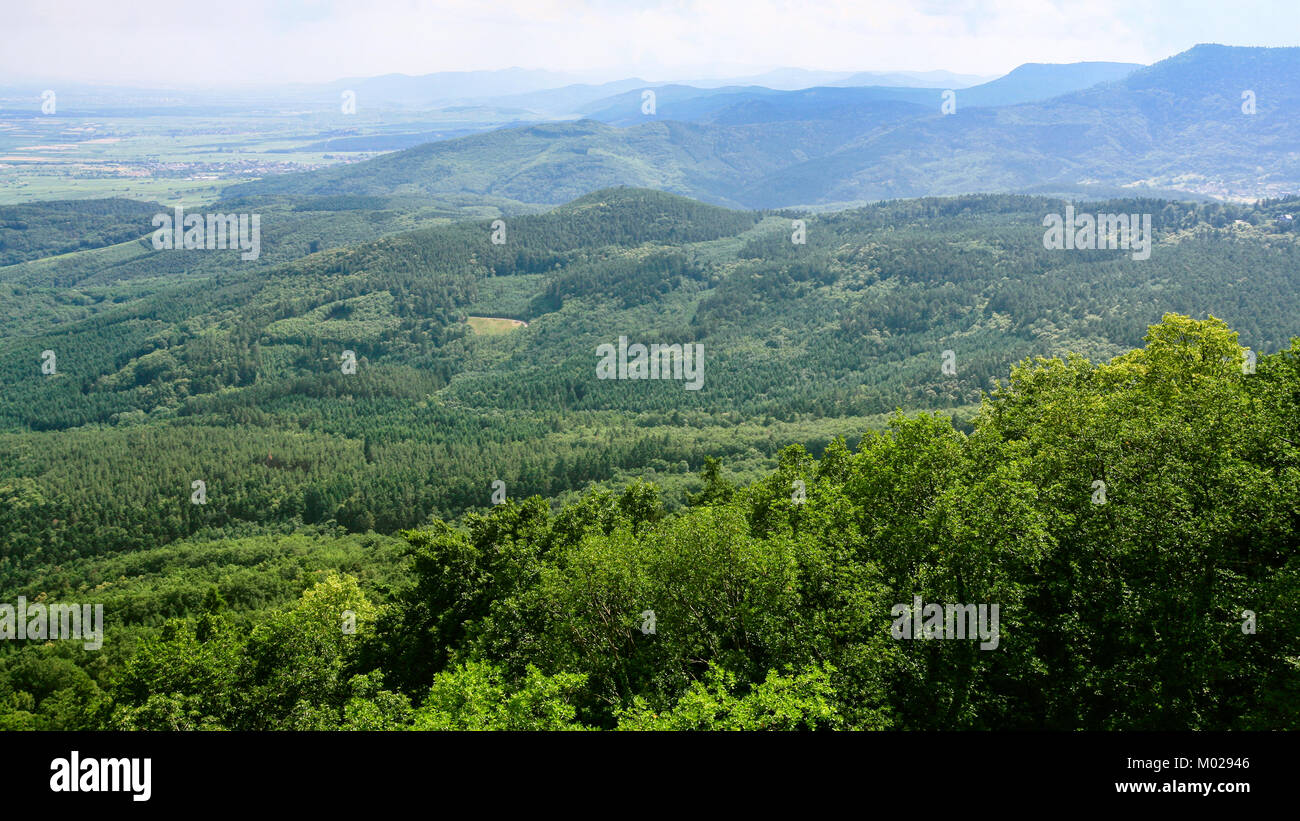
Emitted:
<point x="169" y="43"/>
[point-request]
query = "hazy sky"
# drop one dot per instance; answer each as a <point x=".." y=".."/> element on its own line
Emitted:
<point x="184" y="43"/>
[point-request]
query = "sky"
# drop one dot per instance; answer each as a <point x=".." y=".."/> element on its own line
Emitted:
<point x="182" y="43"/>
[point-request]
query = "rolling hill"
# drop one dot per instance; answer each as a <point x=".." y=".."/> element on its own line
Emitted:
<point x="233" y="372"/>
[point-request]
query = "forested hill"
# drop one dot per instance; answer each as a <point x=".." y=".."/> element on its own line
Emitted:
<point x="49" y="229"/>
<point x="238" y="379"/>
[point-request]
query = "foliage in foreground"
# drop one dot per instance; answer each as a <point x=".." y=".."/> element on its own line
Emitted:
<point x="774" y="613"/>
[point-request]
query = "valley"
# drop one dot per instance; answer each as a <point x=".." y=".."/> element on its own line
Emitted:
<point x="498" y="373"/>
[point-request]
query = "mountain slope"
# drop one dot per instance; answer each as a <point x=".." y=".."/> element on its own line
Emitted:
<point x="1042" y="81"/>
<point x="556" y="162"/>
<point x="1177" y="125"/>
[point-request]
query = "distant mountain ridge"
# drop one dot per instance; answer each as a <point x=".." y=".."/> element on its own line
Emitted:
<point x="1027" y="83"/>
<point x="1176" y="126"/>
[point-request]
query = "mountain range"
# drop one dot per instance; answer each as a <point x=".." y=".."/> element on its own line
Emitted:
<point x="1178" y="127"/>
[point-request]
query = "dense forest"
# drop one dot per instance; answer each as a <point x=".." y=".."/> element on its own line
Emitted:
<point x="497" y="520"/>
<point x="1171" y="605"/>
<point x="232" y="374"/>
